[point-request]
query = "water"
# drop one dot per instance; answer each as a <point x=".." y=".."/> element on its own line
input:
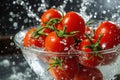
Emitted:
<point x="38" y="61"/>
<point x="30" y="15"/>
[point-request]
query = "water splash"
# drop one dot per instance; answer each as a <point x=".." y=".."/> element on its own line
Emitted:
<point x="79" y="7"/>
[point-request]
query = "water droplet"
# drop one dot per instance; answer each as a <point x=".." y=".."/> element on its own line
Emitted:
<point x="12" y="43"/>
<point x="104" y="12"/>
<point x="15" y="24"/>
<point x="103" y="45"/>
<point x="6" y="63"/>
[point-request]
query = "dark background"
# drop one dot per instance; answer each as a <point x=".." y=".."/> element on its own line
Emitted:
<point x="14" y="17"/>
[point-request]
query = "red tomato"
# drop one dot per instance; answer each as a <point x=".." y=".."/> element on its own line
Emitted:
<point x="74" y="22"/>
<point x="29" y="39"/>
<point x="89" y="58"/>
<point x="109" y="58"/>
<point x="86" y="73"/>
<point x="49" y="14"/>
<point x="58" y="44"/>
<point x="87" y="31"/>
<point x="65" y="69"/>
<point x="111" y="36"/>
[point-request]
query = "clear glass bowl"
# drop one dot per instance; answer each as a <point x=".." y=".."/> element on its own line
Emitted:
<point x="38" y="59"/>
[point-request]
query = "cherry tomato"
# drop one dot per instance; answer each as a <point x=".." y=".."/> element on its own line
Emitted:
<point x="111" y="36"/>
<point x="74" y="22"/>
<point x="29" y="39"/>
<point x="51" y="13"/>
<point x="48" y="15"/>
<point x="88" y="31"/>
<point x="88" y="57"/>
<point x="109" y="58"/>
<point x="63" y="67"/>
<point x="86" y="73"/>
<point x="58" y="44"/>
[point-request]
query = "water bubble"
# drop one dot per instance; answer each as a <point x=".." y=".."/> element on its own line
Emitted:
<point x="63" y="41"/>
<point x="26" y="20"/>
<point x="104" y="12"/>
<point x="66" y="48"/>
<point x="10" y="19"/>
<point x="13" y="63"/>
<point x="103" y="45"/>
<point x="5" y="63"/>
<point x="66" y="66"/>
<point x="11" y="37"/>
<point x="15" y="24"/>
<point x="11" y="13"/>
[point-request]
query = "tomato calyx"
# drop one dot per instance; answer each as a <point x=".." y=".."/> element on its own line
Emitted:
<point x="95" y="46"/>
<point x="57" y="62"/>
<point x="63" y="33"/>
<point x="53" y="21"/>
<point x="40" y="32"/>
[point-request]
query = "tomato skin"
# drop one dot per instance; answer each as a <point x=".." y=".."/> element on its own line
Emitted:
<point x="74" y="22"/>
<point x="29" y="40"/>
<point x="50" y="13"/>
<point x="88" y="31"/>
<point x="87" y="59"/>
<point x="109" y="58"/>
<point x="58" y="44"/>
<point x="86" y="73"/>
<point x="111" y="36"/>
<point x="69" y="68"/>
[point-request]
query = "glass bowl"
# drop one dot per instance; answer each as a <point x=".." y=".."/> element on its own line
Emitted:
<point x="38" y="59"/>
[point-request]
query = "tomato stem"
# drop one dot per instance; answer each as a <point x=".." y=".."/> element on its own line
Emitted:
<point x="57" y="63"/>
<point x="40" y="32"/>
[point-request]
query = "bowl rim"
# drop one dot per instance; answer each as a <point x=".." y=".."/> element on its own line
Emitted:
<point x="42" y="50"/>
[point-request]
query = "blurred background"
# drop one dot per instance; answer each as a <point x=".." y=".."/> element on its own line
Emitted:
<point x="16" y="15"/>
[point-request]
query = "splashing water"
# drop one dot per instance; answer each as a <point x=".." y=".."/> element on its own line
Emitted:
<point x="87" y="8"/>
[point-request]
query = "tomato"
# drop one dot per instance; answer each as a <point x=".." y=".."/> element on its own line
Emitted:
<point x="29" y="39"/>
<point x="63" y="67"/>
<point x="58" y="44"/>
<point x="88" y="31"/>
<point x="111" y="36"/>
<point x="109" y="58"/>
<point x="89" y="58"/>
<point x="74" y="22"/>
<point x="86" y="73"/>
<point x="48" y="15"/>
<point x="51" y="13"/>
